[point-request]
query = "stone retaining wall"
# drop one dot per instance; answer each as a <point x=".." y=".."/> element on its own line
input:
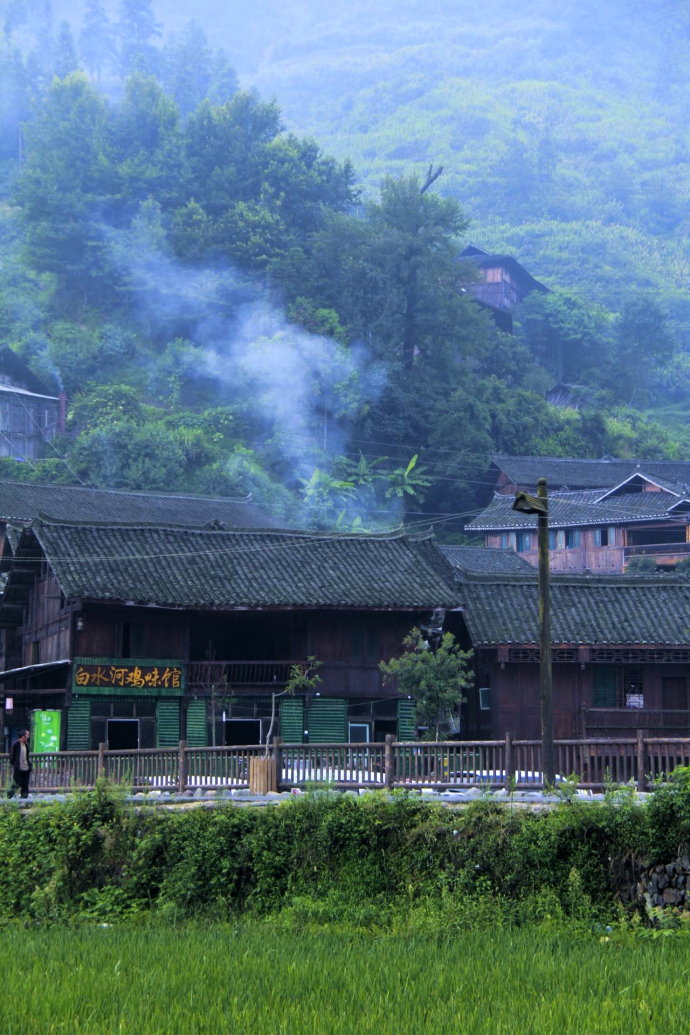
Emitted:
<point x="654" y="887"/>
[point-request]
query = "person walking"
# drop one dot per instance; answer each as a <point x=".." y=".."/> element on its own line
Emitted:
<point x="21" y="765"/>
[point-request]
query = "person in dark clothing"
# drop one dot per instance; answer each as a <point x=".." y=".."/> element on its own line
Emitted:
<point x="21" y="765"/>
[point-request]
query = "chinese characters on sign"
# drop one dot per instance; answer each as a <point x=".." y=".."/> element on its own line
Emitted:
<point x="102" y="676"/>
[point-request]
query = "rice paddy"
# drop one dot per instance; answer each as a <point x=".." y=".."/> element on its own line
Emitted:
<point x="258" y="977"/>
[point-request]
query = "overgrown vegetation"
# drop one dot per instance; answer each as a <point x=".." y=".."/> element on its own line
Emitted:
<point x="232" y="310"/>
<point x="327" y="858"/>
<point x="332" y="911"/>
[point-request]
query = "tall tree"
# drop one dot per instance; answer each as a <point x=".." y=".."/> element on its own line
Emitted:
<point x="96" y="39"/>
<point x="63" y="187"/>
<point x="137" y="29"/>
<point x="187" y="68"/>
<point x="147" y="148"/>
<point x="643" y="344"/>
<point x="567" y="337"/>
<point x="416" y="240"/>
<point x="65" y="61"/>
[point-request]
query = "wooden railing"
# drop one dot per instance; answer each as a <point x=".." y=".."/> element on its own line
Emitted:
<point x="680" y="548"/>
<point x="202" y="675"/>
<point x="508" y="763"/>
<point x="349" y="765"/>
<point x="626" y="721"/>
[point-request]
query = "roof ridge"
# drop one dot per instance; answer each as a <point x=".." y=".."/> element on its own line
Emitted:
<point x="562" y="578"/>
<point x="46" y="520"/>
<point x="144" y="493"/>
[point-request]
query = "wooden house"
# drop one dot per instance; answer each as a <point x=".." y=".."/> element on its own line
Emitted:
<point x="143" y="634"/>
<point x="602" y="513"/>
<point x="620" y="655"/>
<point x="22" y="502"/>
<point x="502" y="284"/>
<point x="30" y="414"/>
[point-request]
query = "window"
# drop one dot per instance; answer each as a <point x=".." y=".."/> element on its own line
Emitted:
<point x="572" y="538"/>
<point x="484" y="698"/>
<point x="523" y="541"/>
<point x="617" y="686"/>
<point x="508" y="541"/>
<point x="604" y="537"/>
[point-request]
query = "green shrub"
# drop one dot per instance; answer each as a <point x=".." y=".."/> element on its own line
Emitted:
<point x="328" y="858"/>
<point x="668" y="815"/>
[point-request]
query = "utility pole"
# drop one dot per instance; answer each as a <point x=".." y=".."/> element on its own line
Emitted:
<point x="539" y="505"/>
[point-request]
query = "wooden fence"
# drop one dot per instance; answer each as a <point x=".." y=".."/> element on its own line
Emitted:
<point x="508" y="763"/>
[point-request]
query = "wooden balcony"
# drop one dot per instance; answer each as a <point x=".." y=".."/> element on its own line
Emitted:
<point x="677" y="550"/>
<point x="205" y="675"/>
<point x="614" y="722"/>
<point x="262" y="677"/>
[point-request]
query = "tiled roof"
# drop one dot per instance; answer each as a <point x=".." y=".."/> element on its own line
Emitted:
<point x="200" y="568"/>
<point x="21" y="502"/>
<point x="487" y="259"/>
<point x="617" y="609"/>
<point x="581" y="474"/>
<point x="14" y="373"/>
<point x="484" y="559"/>
<point x="576" y="510"/>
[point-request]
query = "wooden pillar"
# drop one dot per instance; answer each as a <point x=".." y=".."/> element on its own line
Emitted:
<point x="182" y="767"/>
<point x="641" y="758"/>
<point x="276" y="752"/>
<point x="545" y="678"/>
<point x="508" y="773"/>
<point x="389" y="762"/>
<point x="102" y="759"/>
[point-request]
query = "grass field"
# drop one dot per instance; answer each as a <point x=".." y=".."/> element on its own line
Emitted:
<point x="257" y="978"/>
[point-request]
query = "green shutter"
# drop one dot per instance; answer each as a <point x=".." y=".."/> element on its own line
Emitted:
<point x="328" y="720"/>
<point x="167" y="723"/>
<point x="79" y="725"/>
<point x="407" y="720"/>
<point x="604" y="686"/>
<point x="292" y="720"/>
<point x="197" y="728"/>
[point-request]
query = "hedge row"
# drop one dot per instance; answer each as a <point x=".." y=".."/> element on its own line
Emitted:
<point x="96" y="856"/>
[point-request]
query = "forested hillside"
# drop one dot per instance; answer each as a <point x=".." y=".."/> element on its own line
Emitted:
<point x="233" y="307"/>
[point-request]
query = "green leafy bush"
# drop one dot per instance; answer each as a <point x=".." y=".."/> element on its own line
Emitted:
<point x="330" y="858"/>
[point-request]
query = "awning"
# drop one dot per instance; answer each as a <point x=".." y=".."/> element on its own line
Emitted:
<point x="31" y="670"/>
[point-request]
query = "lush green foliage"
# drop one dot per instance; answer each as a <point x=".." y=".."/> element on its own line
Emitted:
<point x="433" y="674"/>
<point x="229" y="311"/>
<point x="330" y="899"/>
<point x="370" y="859"/>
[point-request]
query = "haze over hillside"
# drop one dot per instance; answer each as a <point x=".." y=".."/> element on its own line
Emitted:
<point x="174" y="240"/>
<point x="562" y="126"/>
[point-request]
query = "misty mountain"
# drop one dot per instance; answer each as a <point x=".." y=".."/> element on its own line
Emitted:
<point x="232" y="305"/>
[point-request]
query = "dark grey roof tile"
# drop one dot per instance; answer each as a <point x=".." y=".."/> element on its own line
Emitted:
<point x="198" y="568"/>
<point x="24" y="501"/>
